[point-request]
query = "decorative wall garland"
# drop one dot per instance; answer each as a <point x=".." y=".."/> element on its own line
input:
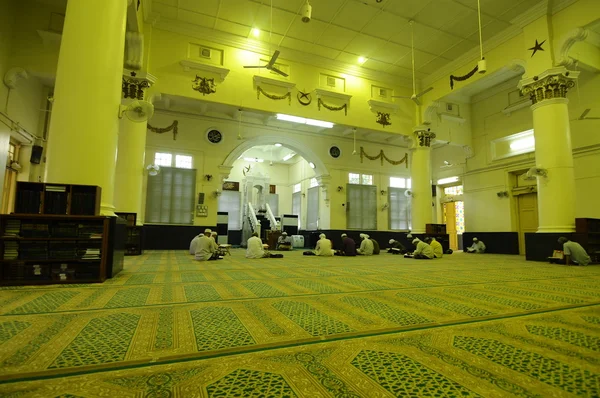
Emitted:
<point x="333" y="108"/>
<point x="159" y="130"/>
<point x="462" y="78"/>
<point x="381" y="155"/>
<point x="260" y="91"/>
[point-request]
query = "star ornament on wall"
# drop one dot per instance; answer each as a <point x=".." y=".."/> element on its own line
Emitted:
<point x="537" y="47"/>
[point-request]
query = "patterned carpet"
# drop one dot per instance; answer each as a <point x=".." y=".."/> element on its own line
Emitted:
<point x="465" y="325"/>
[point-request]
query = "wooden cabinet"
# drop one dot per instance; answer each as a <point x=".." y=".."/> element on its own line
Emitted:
<point x="50" y="249"/>
<point x="587" y="234"/>
<point x="133" y="238"/>
<point x="434" y="229"/>
<point x="63" y="199"/>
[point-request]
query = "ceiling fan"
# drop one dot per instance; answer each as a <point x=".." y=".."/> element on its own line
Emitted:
<point x="415" y="96"/>
<point x="585" y="117"/>
<point x="271" y="64"/>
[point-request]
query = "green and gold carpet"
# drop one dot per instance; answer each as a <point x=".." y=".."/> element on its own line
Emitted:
<point x="383" y="326"/>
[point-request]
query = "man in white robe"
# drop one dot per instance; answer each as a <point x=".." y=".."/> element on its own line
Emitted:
<point x="324" y="246"/>
<point x="255" y="247"/>
<point x="366" y="246"/>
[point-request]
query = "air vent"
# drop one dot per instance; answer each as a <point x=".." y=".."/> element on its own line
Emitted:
<point x="205" y="52"/>
<point x="331" y="81"/>
<point x="449" y="107"/>
<point x="382" y="92"/>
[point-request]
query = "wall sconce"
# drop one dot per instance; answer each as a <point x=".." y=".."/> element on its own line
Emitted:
<point x="217" y="193"/>
<point x="208" y="177"/>
<point x="340" y="188"/>
<point x="383" y="192"/>
<point x="502" y="194"/>
<point x="385" y="207"/>
<point x="303" y="195"/>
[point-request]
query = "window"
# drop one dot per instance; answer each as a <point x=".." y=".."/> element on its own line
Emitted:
<point x="513" y="145"/>
<point x="399" y="213"/>
<point x="183" y="162"/>
<point x="397" y="182"/>
<point x="297" y="206"/>
<point x="364" y="179"/>
<point x="12" y="150"/>
<point x="361" y="206"/>
<point x="163" y="159"/>
<point x="170" y="196"/>
<point x="454" y="191"/>
<point x="313" y="183"/>
<point x="312" y="209"/>
<point x="297" y="188"/>
<point x="460" y="217"/>
<point x="230" y="201"/>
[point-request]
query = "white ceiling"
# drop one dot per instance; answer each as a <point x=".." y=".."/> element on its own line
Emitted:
<point x="343" y="30"/>
<point x="271" y="153"/>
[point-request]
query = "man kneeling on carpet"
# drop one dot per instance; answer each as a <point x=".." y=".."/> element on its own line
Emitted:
<point x="284" y="242"/>
<point x="477" y="247"/>
<point x="574" y="252"/>
<point x="324" y="246"/>
<point x="423" y="251"/>
<point x="366" y="246"/>
<point x="436" y="246"/>
<point x="348" y="247"/>
<point x="255" y="248"/>
<point x="206" y="248"/>
<point x="396" y="247"/>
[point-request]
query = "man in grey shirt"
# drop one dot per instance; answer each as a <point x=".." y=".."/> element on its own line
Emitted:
<point x="574" y="252"/>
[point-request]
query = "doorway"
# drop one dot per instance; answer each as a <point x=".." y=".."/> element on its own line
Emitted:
<point x="528" y="217"/>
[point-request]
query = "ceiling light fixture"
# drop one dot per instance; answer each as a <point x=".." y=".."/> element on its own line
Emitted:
<point x="448" y="180"/>
<point x="255" y="32"/>
<point x="362" y="60"/>
<point x="288" y="156"/>
<point x="312" y="165"/>
<point x="254" y="160"/>
<point x="278" y="144"/>
<point x="301" y="120"/>
<point x="524" y="143"/>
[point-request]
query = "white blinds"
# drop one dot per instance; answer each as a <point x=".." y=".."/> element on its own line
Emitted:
<point x="312" y="209"/>
<point x="399" y="212"/>
<point x="170" y="196"/>
<point x="231" y="202"/>
<point x="297" y="205"/>
<point x="361" y="206"/>
<point x="273" y="200"/>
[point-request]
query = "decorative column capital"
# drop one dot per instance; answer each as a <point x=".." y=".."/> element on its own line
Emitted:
<point x="224" y="172"/>
<point x="552" y="83"/>
<point x="135" y="84"/>
<point x="324" y="181"/>
<point x="423" y="137"/>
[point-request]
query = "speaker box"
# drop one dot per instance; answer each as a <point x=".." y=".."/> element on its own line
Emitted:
<point x="36" y="154"/>
<point x="200" y="198"/>
<point x="434" y="190"/>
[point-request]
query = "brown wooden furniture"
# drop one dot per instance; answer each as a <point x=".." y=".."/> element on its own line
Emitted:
<point x="435" y="229"/>
<point x="51" y="249"/>
<point x="133" y="240"/>
<point x="51" y="198"/>
<point x="587" y="234"/>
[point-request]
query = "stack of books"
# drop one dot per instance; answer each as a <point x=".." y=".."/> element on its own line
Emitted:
<point x="90" y="231"/>
<point x="11" y="250"/>
<point x="63" y="250"/>
<point x="64" y="230"/>
<point x="33" y="251"/>
<point x="91" y="254"/>
<point x="30" y="230"/>
<point x="55" y="199"/>
<point x="13" y="228"/>
<point x="28" y="201"/>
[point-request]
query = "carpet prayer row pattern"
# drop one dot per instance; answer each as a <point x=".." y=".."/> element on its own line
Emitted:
<point x="383" y="326"/>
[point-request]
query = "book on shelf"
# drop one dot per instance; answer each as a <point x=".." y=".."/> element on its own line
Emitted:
<point x="34" y="230"/>
<point x="13" y="228"/>
<point x="11" y="250"/>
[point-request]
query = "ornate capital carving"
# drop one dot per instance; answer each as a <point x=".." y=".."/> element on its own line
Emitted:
<point x="424" y="138"/>
<point x="553" y="83"/>
<point x="224" y="172"/>
<point x="134" y="85"/>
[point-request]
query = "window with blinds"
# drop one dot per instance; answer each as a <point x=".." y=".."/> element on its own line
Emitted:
<point x="399" y="212"/>
<point x="170" y="196"/>
<point x="361" y="206"/>
<point x="273" y="200"/>
<point x="231" y="202"/>
<point x="297" y="205"/>
<point x="312" y="209"/>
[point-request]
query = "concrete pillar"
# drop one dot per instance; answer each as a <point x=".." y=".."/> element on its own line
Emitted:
<point x="553" y="150"/>
<point x="421" y="209"/>
<point x="82" y="144"/>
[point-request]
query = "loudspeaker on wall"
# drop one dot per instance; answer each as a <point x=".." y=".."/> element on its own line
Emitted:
<point x="36" y="154"/>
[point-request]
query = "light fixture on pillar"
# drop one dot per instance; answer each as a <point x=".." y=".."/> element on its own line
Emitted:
<point x="153" y="169"/>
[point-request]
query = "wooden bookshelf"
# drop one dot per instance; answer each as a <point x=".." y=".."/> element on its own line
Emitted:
<point x="62" y="199"/>
<point x="52" y="249"/>
<point x="587" y="234"/>
<point x="133" y="239"/>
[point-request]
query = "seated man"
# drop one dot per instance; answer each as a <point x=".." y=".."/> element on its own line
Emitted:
<point x="284" y="242"/>
<point x="376" y="249"/>
<point x="206" y="249"/>
<point x="194" y="243"/>
<point x="324" y="246"/>
<point x="396" y="247"/>
<point x="255" y="247"/>
<point x="477" y="247"/>
<point x="348" y="247"/>
<point x="438" y="251"/>
<point x="423" y="251"/>
<point x="574" y="252"/>
<point x="366" y="246"/>
<point x="214" y="236"/>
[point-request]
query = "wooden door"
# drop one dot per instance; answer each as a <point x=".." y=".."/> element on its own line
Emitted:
<point x="528" y="217"/>
<point x="450" y="221"/>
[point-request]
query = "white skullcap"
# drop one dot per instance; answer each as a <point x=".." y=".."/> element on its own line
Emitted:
<point x="213" y="233"/>
<point x="415" y="241"/>
<point x="367" y="236"/>
<point x="284" y="233"/>
<point x="474" y="239"/>
<point x="344" y="235"/>
<point x="322" y="236"/>
<point x="362" y="236"/>
<point x="392" y="241"/>
<point x="207" y="231"/>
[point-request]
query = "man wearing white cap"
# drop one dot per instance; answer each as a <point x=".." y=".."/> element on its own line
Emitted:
<point x="206" y="249"/>
<point x="423" y="251"/>
<point x="284" y="242"/>
<point x="477" y="247"/>
<point x="366" y="246"/>
<point x="396" y="247"/>
<point x="324" y="246"/>
<point x="194" y="243"/>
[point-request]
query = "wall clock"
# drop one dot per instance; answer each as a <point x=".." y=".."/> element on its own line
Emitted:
<point x="335" y="152"/>
<point x="214" y="136"/>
